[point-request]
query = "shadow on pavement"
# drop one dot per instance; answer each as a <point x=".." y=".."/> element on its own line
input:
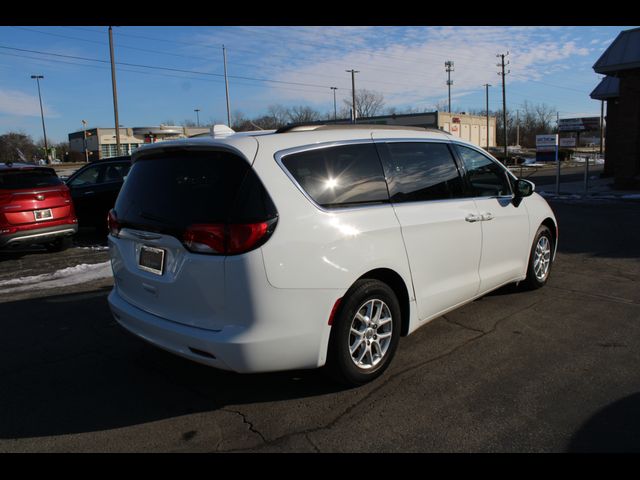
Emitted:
<point x="615" y="428"/>
<point x="67" y="367"/>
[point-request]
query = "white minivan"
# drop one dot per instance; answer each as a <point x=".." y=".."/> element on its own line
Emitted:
<point x="316" y="246"/>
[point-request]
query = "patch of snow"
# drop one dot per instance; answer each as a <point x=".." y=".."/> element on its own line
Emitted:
<point x="632" y="196"/>
<point x="96" y="248"/>
<point x="61" y="278"/>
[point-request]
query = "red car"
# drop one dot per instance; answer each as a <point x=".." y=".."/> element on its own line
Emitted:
<point x="35" y="207"/>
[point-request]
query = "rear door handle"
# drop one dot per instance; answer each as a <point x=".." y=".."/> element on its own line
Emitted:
<point x="473" y="218"/>
<point x="487" y="216"/>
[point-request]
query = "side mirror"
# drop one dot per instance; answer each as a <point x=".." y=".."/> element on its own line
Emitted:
<point x="523" y="188"/>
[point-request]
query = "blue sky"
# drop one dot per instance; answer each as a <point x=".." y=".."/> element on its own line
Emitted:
<point x="287" y="65"/>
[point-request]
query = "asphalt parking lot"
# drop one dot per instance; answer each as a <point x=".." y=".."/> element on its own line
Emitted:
<point x="553" y="370"/>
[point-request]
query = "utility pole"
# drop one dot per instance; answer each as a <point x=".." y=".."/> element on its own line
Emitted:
<point x="517" y="128"/>
<point x="354" y="113"/>
<point x="197" y="110"/>
<point x="226" y="84"/>
<point x="486" y="87"/>
<point x="448" y="66"/>
<point x="115" y="91"/>
<point x="44" y="130"/>
<point x="335" y="111"/>
<point x="504" y="101"/>
<point x="84" y="132"/>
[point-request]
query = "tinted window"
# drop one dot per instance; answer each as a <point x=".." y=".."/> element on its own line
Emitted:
<point x="36" y="178"/>
<point x="421" y="171"/>
<point x="87" y="177"/>
<point x="168" y="192"/>
<point x="340" y="176"/>
<point x="115" y="172"/>
<point x="486" y="177"/>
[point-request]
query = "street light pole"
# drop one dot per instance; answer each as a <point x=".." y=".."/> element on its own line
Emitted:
<point x="226" y="85"/>
<point x="115" y="91"/>
<point x="335" y="111"/>
<point x="197" y="110"/>
<point x="44" y="130"/>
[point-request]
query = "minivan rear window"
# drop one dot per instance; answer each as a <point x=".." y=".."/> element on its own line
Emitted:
<point x="31" y="178"/>
<point x="340" y="176"/>
<point x="167" y="192"/>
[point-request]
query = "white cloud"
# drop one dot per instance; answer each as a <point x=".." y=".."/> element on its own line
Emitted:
<point x="15" y="102"/>
<point x="413" y="71"/>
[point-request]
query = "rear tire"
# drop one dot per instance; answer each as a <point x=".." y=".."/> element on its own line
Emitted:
<point x="540" y="259"/>
<point x="365" y="333"/>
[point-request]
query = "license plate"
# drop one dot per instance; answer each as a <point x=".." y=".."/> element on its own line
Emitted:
<point x="42" y="214"/>
<point x="151" y="259"/>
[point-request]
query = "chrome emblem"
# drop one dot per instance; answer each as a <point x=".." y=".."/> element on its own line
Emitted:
<point x="39" y="197"/>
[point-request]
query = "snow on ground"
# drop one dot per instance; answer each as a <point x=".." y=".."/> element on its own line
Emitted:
<point x="61" y="278"/>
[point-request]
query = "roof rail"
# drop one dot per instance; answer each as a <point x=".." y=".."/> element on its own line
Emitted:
<point x="302" y="127"/>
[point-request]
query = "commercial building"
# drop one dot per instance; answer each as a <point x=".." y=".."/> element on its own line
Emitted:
<point x="101" y="142"/>
<point x="472" y="128"/>
<point x="621" y="90"/>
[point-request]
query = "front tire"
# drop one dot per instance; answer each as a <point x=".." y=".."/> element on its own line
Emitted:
<point x="365" y="333"/>
<point x="540" y="259"/>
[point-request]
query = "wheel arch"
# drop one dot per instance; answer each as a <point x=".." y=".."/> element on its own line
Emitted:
<point x="551" y="225"/>
<point x="399" y="287"/>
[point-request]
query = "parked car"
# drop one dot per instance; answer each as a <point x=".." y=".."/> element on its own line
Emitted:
<point x="316" y="245"/>
<point x="35" y="207"/>
<point x="94" y="189"/>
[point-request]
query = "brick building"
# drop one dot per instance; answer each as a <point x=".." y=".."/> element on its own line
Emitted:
<point x="621" y="90"/>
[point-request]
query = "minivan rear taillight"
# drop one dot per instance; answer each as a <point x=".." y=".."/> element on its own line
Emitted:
<point x="227" y="239"/>
<point x="112" y="223"/>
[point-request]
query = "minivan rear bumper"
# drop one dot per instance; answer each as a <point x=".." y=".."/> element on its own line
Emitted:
<point x="269" y="344"/>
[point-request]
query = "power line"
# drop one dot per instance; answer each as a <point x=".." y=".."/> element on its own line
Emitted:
<point x="165" y="68"/>
<point x="411" y="60"/>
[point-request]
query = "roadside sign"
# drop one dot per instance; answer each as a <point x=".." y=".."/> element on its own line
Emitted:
<point x="579" y="124"/>
<point x="568" y="142"/>
<point x="546" y="143"/>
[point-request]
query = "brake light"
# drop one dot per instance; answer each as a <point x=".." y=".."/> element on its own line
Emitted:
<point x="113" y="224"/>
<point x="227" y="239"/>
<point x="204" y="238"/>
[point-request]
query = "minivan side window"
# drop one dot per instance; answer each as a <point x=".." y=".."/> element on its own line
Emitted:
<point x="420" y="171"/>
<point x="341" y="176"/>
<point x="486" y="178"/>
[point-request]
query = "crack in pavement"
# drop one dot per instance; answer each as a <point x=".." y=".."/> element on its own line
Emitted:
<point x="624" y="301"/>
<point x="315" y="447"/>
<point x="408" y="370"/>
<point x="246" y="421"/>
<point x="463" y="326"/>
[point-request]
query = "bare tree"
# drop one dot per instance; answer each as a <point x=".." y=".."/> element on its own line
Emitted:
<point x="17" y="147"/>
<point x="303" y="114"/>
<point x="368" y="103"/>
<point x="278" y="114"/>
